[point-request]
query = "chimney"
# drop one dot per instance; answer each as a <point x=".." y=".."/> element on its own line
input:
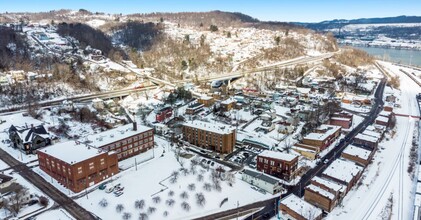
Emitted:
<point x="134" y="126"/>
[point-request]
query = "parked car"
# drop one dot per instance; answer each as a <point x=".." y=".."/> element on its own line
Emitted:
<point x="102" y="186"/>
<point x="110" y="189"/>
<point x="119" y="193"/>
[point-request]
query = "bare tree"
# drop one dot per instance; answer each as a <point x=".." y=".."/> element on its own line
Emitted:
<point x="43" y="201"/>
<point x="15" y="201"/>
<point x="119" y="208"/>
<point x="200" y="199"/>
<point x="170" y="202"/>
<point x="156" y="199"/>
<point x="200" y="177"/>
<point x="139" y="204"/>
<point x="170" y="193"/>
<point x="193" y="165"/>
<point x="127" y="215"/>
<point x="207" y="187"/>
<point x="230" y="177"/>
<point x="191" y="186"/>
<point x="184" y="195"/>
<point x="143" y="216"/>
<point x="151" y="210"/>
<point x="165" y="214"/>
<point x="103" y="203"/>
<point x="185" y="206"/>
<point x="185" y="171"/>
<point x="174" y="177"/>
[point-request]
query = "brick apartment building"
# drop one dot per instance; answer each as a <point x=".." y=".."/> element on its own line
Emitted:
<point x="320" y="198"/>
<point x="127" y="140"/>
<point x="216" y="137"/>
<point x="278" y="164"/>
<point x="194" y="108"/>
<point x="77" y="166"/>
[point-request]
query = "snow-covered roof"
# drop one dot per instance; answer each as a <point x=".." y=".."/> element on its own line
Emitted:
<point x="205" y="97"/>
<point x="301" y="207"/>
<point x="261" y="176"/>
<point x="214" y="127"/>
<point x="228" y="101"/>
<point x="382" y="119"/>
<point x="320" y="191"/>
<point x="357" y="151"/>
<point x="340" y="119"/>
<point x="329" y="130"/>
<point x="329" y="184"/>
<point x="343" y="170"/>
<point x="385" y="113"/>
<point x="372" y="133"/>
<point x="113" y="135"/>
<point x="71" y="152"/>
<point x="366" y="138"/>
<point x="278" y="155"/>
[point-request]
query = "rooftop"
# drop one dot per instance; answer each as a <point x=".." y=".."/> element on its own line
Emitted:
<point x="261" y="176"/>
<point x="228" y="101"/>
<point x="329" y="184"/>
<point x="324" y="132"/>
<point x="113" y="135"/>
<point x="71" y="152"/>
<point x="301" y="207"/>
<point x="214" y="127"/>
<point x="382" y="119"/>
<point x="320" y="191"/>
<point x="357" y="151"/>
<point x="366" y="138"/>
<point x="343" y="170"/>
<point x="277" y="155"/>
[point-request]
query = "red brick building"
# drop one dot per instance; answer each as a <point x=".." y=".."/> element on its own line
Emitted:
<point x="293" y="207"/>
<point x="322" y="137"/>
<point x="163" y="114"/>
<point x="77" y="166"/>
<point x="278" y="164"/>
<point x="127" y="140"/>
<point x="345" y="123"/>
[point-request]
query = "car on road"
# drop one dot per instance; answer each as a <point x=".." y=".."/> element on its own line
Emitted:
<point x="102" y="186"/>
<point x="255" y="188"/>
<point x="326" y="161"/>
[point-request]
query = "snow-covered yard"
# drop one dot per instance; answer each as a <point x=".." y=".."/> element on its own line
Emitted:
<point x="165" y="198"/>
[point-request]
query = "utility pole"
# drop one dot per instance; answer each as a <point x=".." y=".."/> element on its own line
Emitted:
<point x="135" y="163"/>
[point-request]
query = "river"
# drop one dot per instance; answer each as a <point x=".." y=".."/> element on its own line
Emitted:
<point x="409" y="57"/>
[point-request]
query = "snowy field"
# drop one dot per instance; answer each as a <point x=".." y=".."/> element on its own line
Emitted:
<point x="152" y="183"/>
<point x="56" y="214"/>
<point x="387" y="177"/>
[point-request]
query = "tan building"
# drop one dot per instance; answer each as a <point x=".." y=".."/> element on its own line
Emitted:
<point x="344" y="172"/>
<point x="228" y="104"/>
<point x="216" y="137"/>
<point x="206" y="101"/>
<point x="77" y="166"/>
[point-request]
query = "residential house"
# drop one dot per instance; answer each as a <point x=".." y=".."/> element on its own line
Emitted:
<point x="29" y="139"/>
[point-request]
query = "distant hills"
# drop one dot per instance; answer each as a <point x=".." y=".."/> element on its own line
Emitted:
<point x="324" y="25"/>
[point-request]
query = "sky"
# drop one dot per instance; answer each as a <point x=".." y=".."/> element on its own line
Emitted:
<point x="265" y="10"/>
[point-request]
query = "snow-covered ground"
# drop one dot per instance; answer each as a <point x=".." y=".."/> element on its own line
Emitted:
<point x="151" y="179"/>
<point x="56" y="214"/>
<point x="387" y="175"/>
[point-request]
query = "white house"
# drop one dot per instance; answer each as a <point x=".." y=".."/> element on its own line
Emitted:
<point x="263" y="181"/>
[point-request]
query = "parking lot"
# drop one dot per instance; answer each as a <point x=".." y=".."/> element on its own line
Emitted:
<point x="246" y="156"/>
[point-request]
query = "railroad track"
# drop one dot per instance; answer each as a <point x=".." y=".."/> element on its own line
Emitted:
<point x="59" y="198"/>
